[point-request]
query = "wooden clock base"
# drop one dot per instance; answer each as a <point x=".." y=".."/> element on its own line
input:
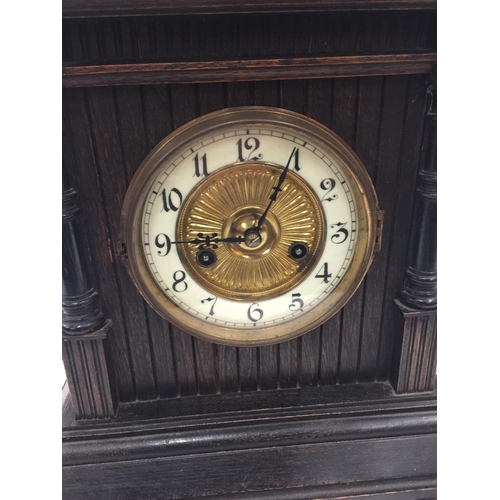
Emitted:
<point x="347" y="441"/>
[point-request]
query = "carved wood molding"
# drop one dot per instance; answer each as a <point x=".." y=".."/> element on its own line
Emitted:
<point x="311" y="450"/>
<point x="84" y="359"/>
<point x="415" y="364"/>
<point x="111" y="8"/>
<point x="247" y="70"/>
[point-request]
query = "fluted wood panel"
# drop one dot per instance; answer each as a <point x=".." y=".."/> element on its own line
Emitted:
<point x="415" y="360"/>
<point x="85" y="363"/>
<point x="108" y="133"/>
<point x="105" y="41"/>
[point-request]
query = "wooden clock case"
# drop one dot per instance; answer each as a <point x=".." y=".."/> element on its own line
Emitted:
<point x="347" y="410"/>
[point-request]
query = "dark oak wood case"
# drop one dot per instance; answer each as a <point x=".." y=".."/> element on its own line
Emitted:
<point x="347" y="410"/>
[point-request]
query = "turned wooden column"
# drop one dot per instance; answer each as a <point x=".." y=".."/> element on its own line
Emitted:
<point x="84" y="326"/>
<point x="414" y="361"/>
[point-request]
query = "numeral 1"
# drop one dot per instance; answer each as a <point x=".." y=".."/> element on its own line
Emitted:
<point x="296" y="160"/>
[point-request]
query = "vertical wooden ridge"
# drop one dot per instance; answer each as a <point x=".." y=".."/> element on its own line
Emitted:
<point x="88" y="377"/>
<point x="388" y="178"/>
<point x="108" y="150"/>
<point x="414" y="369"/>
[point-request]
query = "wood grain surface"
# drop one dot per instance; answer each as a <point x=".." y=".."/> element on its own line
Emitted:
<point x="236" y="70"/>
<point x="107" y="8"/>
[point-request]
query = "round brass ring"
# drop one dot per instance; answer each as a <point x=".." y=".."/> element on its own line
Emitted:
<point x="363" y="192"/>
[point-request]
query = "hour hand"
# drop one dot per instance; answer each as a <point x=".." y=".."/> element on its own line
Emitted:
<point x="210" y="240"/>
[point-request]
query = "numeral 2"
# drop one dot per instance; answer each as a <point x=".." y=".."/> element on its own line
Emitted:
<point x="328" y="185"/>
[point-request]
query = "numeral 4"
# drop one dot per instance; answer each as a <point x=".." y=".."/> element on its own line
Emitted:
<point x="326" y="276"/>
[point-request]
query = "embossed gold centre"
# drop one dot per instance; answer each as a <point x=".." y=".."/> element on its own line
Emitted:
<point x="230" y="202"/>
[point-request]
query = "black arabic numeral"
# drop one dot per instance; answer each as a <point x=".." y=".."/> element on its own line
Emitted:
<point x="325" y="274"/>
<point x="178" y="281"/>
<point x="260" y="312"/>
<point x="297" y="303"/>
<point x="328" y="185"/>
<point x="204" y="167"/>
<point x="209" y="299"/>
<point x="174" y="200"/>
<point x="163" y="241"/>
<point x="344" y="233"/>
<point x="251" y="145"/>
<point x="296" y="160"/>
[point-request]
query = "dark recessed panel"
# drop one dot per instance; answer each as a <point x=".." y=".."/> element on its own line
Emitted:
<point x="108" y="131"/>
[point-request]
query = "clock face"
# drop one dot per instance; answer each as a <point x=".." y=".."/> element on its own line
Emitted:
<point x="249" y="226"/>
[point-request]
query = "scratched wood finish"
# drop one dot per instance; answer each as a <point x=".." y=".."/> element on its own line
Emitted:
<point x="111" y="129"/>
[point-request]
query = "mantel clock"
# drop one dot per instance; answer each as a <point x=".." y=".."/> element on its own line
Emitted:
<point x="250" y="226"/>
<point x="249" y="249"/>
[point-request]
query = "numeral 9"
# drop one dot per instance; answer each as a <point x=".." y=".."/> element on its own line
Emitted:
<point x="163" y="241"/>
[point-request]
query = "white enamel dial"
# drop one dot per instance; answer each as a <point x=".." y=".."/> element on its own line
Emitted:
<point x="195" y="199"/>
<point x="178" y="179"/>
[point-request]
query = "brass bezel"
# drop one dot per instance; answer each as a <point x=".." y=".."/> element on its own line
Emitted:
<point x="250" y="117"/>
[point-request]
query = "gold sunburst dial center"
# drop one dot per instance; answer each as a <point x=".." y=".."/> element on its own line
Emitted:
<point x="229" y="203"/>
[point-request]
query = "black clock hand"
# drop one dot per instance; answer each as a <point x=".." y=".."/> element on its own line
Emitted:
<point x="210" y="240"/>
<point x="276" y="190"/>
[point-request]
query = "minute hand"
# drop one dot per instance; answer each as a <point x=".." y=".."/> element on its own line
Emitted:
<point x="276" y="190"/>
